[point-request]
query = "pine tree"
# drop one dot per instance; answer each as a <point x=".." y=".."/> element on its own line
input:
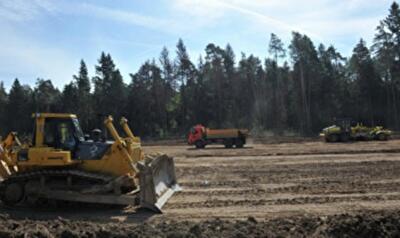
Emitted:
<point x="45" y="96"/>
<point x="159" y="101"/>
<point x="109" y="88"/>
<point x="169" y="90"/>
<point x="3" y="104"/>
<point x="82" y="79"/>
<point x="168" y="68"/>
<point x="278" y="110"/>
<point x="368" y="84"/>
<point x="139" y="111"/>
<point x="216" y="82"/>
<point x="307" y="81"/>
<point x="333" y="102"/>
<point x="387" y="49"/>
<point x="276" y="47"/>
<point x="229" y="83"/>
<point x="69" y="99"/>
<point x="19" y="106"/>
<point x="83" y="99"/>
<point x="185" y="74"/>
<point x="250" y="75"/>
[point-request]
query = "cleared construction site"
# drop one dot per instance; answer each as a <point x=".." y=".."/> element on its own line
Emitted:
<point x="256" y="119"/>
<point x="308" y="188"/>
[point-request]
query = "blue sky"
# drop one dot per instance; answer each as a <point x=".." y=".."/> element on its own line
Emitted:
<point x="47" y="39"/>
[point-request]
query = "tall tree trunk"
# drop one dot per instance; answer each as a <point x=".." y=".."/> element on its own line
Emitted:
<point x="306" y="109"/>
<point x="394" y="101"/>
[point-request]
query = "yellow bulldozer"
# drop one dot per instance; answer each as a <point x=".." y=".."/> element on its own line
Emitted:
<point x="61" y="164"/>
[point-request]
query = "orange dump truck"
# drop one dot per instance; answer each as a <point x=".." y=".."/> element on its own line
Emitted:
<point x="201" y="136"/>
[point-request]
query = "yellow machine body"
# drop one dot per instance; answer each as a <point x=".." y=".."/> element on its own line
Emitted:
<point x="59" y="144"/>
<point x="117" y="161"/>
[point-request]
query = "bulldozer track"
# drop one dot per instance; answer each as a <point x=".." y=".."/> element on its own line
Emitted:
<point x="25" y="177"/>
<point x="56" y="172"/>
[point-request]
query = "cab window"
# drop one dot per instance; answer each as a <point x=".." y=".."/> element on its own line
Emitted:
<point x="77" y="129"/>
<point x="59" y="133"/>
<point x="49" y="133"/>
<point x="66" y="135"/>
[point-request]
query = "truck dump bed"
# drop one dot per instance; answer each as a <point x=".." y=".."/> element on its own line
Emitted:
<point x="225" y="133"/>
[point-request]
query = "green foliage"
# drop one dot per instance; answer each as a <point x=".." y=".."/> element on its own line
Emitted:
<point x="84" y="100"/>
<point x="387" y="51"/>
<point x="19" y="108"/>
<point x="166" y="98"/>
<point x="276" y="47"/>
<point x="368" y="84"/>
<point x="45" y="96"/>
<point x="109" y="88"/>
<point x="3" y="105"/>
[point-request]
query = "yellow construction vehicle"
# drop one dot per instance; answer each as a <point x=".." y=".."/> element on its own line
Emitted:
<point x="344" y="131"/>
<point x="61" y="164"/>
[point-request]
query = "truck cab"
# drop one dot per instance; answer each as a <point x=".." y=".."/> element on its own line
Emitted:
<point x="196" y="134"/>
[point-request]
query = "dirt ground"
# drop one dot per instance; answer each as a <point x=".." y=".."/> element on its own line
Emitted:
<point x="263" y="190"/>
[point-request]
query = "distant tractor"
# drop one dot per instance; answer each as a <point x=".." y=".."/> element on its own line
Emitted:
<point x="201" y="136"/>
<point x="343" y="131"/>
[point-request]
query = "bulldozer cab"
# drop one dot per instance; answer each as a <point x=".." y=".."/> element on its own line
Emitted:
<point x="60" y="131"/>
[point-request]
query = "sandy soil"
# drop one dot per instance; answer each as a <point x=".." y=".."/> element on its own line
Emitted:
<point x="295" y="189"/>
<point x="276" y="180"/>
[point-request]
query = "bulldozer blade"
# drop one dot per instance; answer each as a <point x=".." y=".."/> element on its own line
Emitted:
<point x="157" y="182"/>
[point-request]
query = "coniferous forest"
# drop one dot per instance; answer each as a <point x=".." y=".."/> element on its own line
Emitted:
<point x="297" y="88"/>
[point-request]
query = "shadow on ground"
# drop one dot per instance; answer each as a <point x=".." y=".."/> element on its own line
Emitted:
<point x="220" y="148"/>
<point x="82" y="213"/>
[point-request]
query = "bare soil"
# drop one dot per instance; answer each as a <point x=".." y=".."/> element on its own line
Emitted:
<point x="263" y="190"/>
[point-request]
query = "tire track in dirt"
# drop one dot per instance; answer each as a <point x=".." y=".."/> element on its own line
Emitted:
<point x="299" y="148"/>
<point x="215" y="202"/>
<point x="244" y="183"/>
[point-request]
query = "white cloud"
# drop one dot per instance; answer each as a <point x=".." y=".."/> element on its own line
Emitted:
<point x="123" y="16"/>
<point x="247" y="24"/>
<point x="28" y="10"/>
<point x="21" y="10"/>
<point x="270" y="21"/>
<point x="205" y="9"/>
<point x="261" y="14"/>
<point x="320" y="19"/>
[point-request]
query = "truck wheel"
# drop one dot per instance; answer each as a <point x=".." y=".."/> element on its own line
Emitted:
<point x="228" y="143"/>
<point x="200" y="144"/>
<point x="239" y="143"/>
<point x="382" y="136"/>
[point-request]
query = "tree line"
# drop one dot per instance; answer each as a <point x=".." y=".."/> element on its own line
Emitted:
<point x="299" y="88"/>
